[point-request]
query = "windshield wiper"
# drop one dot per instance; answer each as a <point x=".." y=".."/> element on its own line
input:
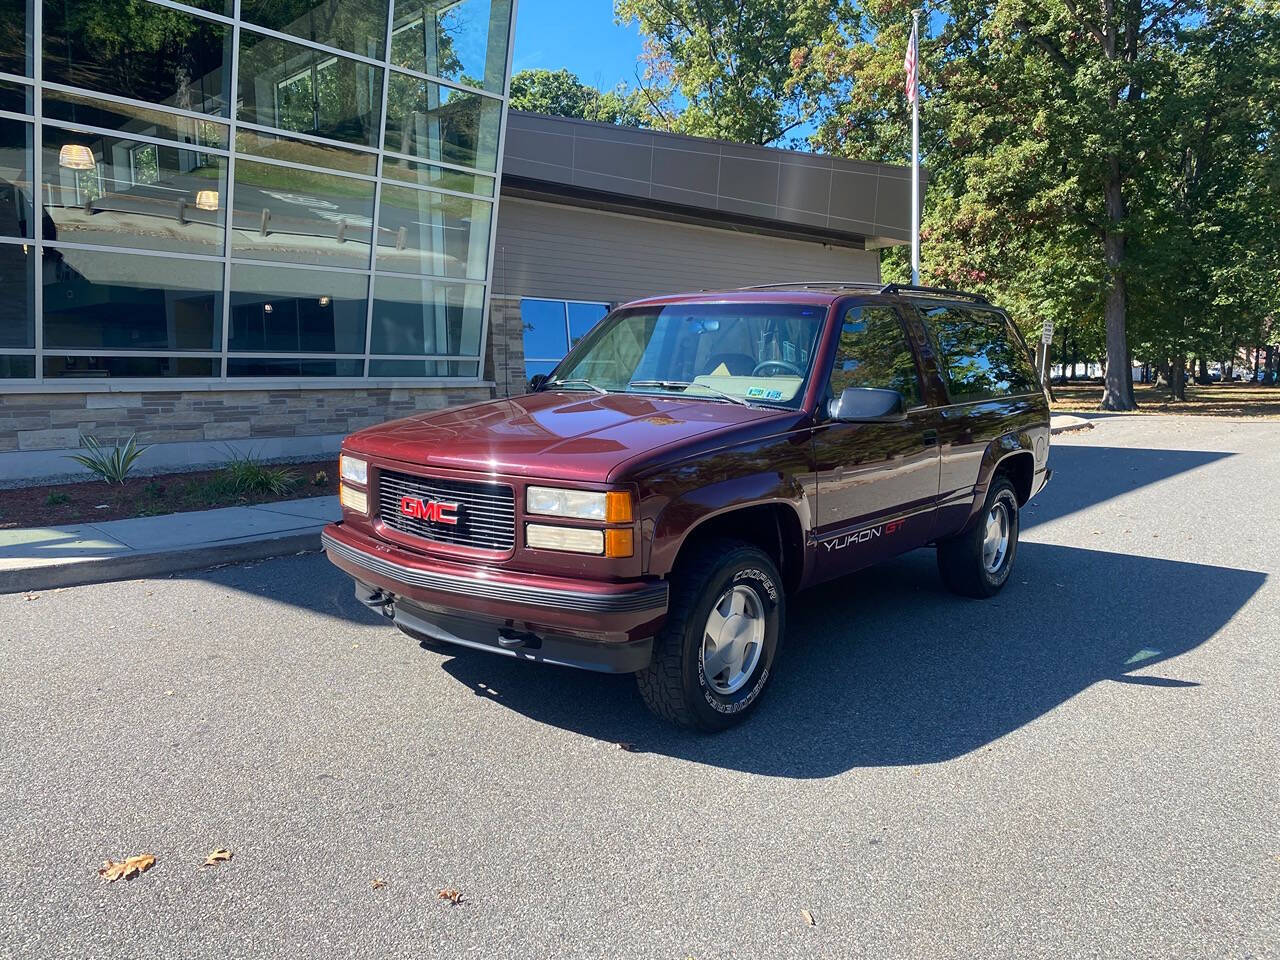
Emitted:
<point x="685" y="385"/>
<point x="578" y="382"/>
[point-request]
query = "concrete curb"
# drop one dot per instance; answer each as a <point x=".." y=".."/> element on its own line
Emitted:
<point x="1073" y="424"/>
<point x="75" y="573"/>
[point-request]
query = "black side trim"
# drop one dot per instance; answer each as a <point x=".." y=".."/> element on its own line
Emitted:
<point x="653" y="597"/>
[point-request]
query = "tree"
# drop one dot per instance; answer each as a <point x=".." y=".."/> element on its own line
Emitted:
<point x="561" y="94"/>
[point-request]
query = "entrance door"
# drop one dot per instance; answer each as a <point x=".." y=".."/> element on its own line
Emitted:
<point x="877" y="482"/>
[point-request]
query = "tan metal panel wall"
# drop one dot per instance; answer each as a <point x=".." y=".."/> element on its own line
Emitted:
<point x="574" y="253"/>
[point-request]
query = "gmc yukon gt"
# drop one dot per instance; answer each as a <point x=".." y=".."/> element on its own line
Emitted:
<point x="693" y="463"/>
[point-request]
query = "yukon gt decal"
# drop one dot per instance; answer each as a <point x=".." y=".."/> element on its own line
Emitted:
<point x="862" y="536"/>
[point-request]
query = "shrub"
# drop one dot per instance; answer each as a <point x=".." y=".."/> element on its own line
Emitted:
<point x="56" y="500"/>
<point x="249" y="475"/>
<point x="112" y="464"/>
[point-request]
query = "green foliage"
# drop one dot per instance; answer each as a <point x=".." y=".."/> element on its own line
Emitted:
<point x="245" y="475"/>
<point x="561" y="94"/>
<point x="112" y="464"/>
<point x="56" y="499"/>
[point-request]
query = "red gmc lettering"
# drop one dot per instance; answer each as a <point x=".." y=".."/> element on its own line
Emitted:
<point x="432" y="510"/>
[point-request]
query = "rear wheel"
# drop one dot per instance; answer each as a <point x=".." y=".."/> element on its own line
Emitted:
<point x="977" y="563"/>
<point x="713" y="658"/>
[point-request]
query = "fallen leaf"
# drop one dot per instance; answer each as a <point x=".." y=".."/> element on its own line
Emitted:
<point x="168" y="693"/>
<point x="217" y="856"/>
<point x="453" y="896"/>
<point x="377" y="884"/>
<point x="126" y="869"/>
<point x="808" y="918"/>
<point x="31" y="596"/>
<point x="629" y="747"/>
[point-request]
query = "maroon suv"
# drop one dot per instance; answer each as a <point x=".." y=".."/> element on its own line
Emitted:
<point x="693" y="462"/>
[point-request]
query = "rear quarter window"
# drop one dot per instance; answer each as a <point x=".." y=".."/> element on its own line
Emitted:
<point x="978" y="354"/>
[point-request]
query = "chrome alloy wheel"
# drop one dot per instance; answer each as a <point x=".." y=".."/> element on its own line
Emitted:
<point x="995" y="545"/>
<point x="733" y="640"/>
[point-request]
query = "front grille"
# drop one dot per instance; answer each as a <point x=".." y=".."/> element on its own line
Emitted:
<point x="486" y="511"/>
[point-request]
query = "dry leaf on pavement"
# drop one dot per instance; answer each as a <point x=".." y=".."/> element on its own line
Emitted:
<point x="217" y="856"/>
<point x="453" y="896"/>
<point x="808" y="917"/>
<point x="377" y="884"/>
<point x="628" y="747"/>
<point x="126" y="869"/>
<point x="31" y="596"/>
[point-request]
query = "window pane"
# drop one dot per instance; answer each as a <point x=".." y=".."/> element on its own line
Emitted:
<point x="433" y="233"/>
<point x="138" y="50"/>
<point x="13" y="368"/>
<point x="582" y="317"/>
<point x="17" y="305"/>
<point x="534" y="367"/>
<point x="412" y="316"/>
<point x="15" y="97"/>
<point x="356" y="25"/>
<point x="133" y="118"/>
<point x="334" y="157"/>
<point x="464" y="41"/>
<point x="438" y="123"/>
<point x="15" y="179"/>
<point x="256" y="367"/>
<point x="873" y="352"/>
<point x="423" y="368"/>
<point x="980" y="358"/>
<point x="100" y="367"/>
<point x="120" y="301"/>
<point x="292" y="87"/>
<point x="300" y="216"/>
<point x="16" y="44"/>
<point x="544" y="330"/>
<point x="429" y="175"/>
<point x="297" y="311"/>
<point x="127" y="193"/>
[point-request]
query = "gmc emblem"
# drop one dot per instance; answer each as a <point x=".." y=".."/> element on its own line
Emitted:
<point x="436" y="511"/>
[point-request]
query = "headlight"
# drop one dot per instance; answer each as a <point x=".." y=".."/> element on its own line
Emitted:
<point x="353" y="470"/>
<point x="573" y="539"/>
<point x="353" y="499"/>
<point x="611" y="507"/>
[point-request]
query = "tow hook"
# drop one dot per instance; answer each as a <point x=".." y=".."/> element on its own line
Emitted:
<point x="510" y="640"/>
<point x="376" y="598"/>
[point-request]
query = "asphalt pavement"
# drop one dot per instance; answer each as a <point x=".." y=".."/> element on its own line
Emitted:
<point x="1086" y="766"/>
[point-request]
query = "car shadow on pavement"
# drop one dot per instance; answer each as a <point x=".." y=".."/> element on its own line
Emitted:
<point x="885" y="668"/>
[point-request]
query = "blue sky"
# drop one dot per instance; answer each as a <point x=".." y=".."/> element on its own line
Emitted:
<point x="579" y="35"/>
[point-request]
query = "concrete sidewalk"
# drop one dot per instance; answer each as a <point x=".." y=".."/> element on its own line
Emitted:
<point x="42" y="558"/>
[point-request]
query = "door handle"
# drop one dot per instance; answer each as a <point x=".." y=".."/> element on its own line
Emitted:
<point x="930" y="437"/>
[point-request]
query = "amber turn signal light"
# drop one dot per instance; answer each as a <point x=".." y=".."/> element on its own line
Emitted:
<point x="618" y="543"/>
<point x="617" y="509"/>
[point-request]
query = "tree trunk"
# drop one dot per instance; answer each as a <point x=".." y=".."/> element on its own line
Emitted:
<point x="1269" y="378"/>
<point x="1202" y="371"/>
<point x="1117" y="384"/>
<point x="1178" y="378"/>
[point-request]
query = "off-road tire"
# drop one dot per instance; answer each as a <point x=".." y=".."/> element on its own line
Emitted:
<point x="960" y="559"/>
<point x="673" y="684"/>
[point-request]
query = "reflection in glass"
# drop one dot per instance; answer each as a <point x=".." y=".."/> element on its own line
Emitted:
<point x="873" y="352"/>
<point x="545" y="336"/>
<point x="424" y="368"/>
<point x="292" y="87"/>
<point x="128" y="193"/>
<point x="462" y="40"/>
<point x="412" y="316"/>
<point x="356" y="25"/>
<point x="534" y="367"/>
<point x="438" y="123"/>
<point x="133" y="118"/>
<point x="121" y="301"/>
<point x="16" y="44"/>
<point x="15" y="180"/>
<point x="104" y="367"/>
<point x="297" y="311"/>
<point x="429" y="175"/>
<point x="15" y="97"/>
<point x="17" y="305"/>
<point x="257" y="367"/>
<point x="138" y="50"/>
<point x="17" y="367"/>
<point x="291" y="150"/>
<point x="300" y="216"/>
<point x="981" y="358"/>
<point x="433" y="233"/>
<point x="582" y="317"/>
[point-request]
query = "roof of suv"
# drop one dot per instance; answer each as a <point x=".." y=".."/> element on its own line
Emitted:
<point x="814" y="291"/>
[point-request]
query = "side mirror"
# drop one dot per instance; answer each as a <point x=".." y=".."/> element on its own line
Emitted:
<point x="536" y="382"/>
<point x="867" y="405"/>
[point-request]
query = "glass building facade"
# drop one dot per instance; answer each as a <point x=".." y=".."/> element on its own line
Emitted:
<point x="231" y="189"/>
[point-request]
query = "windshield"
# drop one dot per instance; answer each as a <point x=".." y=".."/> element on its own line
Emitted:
<point x="732" y="352"/>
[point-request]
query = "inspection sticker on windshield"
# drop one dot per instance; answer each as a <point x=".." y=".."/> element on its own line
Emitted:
<point x="764" y="394"/>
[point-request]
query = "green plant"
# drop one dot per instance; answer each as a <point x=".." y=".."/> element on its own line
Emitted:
<point x="248" y="475"/>
<point x="112" y="464"/>
<point x="56" y="499"/>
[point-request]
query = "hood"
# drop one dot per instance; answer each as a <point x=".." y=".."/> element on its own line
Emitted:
<point x="559" y="434"/>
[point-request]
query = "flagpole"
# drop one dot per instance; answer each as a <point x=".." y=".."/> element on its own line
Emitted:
<point x="915" y="155"/>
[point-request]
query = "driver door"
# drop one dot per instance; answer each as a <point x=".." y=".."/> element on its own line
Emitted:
<point x="877" y="482"/>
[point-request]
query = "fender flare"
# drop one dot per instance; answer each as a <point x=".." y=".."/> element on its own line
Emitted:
<point x="999" y="451"/>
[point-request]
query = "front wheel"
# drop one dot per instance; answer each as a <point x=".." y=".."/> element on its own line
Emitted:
<point x="978" y="562"/>
<point x="713" y="657"/>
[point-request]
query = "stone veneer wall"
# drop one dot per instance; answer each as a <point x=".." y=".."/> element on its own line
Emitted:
<point x="505" y="361"/>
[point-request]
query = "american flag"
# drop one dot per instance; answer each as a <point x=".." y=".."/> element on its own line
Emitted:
<point x="909" y="64"/>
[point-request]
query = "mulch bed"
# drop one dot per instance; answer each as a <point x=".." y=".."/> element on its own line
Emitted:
<point x="95" y="500"/>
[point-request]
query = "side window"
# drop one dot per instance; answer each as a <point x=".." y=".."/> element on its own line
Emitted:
<point x="873" y="352"/>
<point x="978" y="354"/>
